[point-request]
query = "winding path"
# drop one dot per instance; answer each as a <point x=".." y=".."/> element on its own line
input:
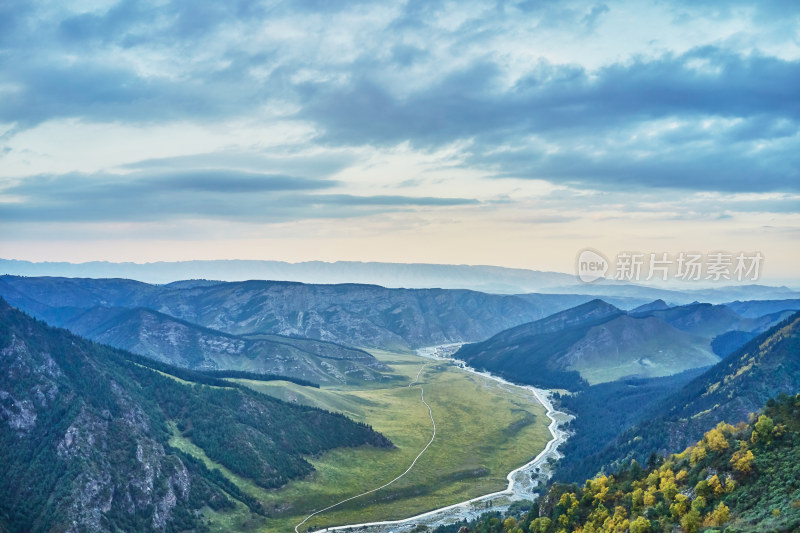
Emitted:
<point x="433" y="436"/>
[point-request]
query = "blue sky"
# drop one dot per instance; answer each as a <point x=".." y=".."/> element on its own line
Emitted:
<point x="508" y="133"/>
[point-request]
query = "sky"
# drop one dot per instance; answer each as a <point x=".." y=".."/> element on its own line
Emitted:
<point x="502" y="133"/>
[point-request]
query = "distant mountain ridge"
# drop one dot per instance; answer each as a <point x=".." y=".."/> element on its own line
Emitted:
<point x="597" y="342"/>
<point x="708" y="320"/>
<point x="352" y="314"/>
<point x="484" y="278"/>
<point x="756" y="308"/>
<point x="397" y="275"/>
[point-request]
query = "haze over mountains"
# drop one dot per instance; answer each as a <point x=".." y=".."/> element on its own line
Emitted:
<point x="492" y="279"/>
<point x="302" y="330"/>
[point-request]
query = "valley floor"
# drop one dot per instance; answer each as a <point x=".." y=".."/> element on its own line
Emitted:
<point x="484" y="429"/>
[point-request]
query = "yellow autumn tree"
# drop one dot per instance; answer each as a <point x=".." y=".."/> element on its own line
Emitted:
<point x="637" y="498"/>
<point x="718" y="516"/>
<point x="618" y="523"/>
<point x="680" y="507"/>
<point x="650" y="497"/>
<point x="716" y="440"/>
<point x="715" y="485"/>
<point x="640" y="525"/>
<point x="742" y="459"/>
<point x="698" y="454"/>
<point x="669" y="490"/>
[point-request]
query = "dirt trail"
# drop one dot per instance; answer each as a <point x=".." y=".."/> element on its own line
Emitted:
<point x="433" y="436"/>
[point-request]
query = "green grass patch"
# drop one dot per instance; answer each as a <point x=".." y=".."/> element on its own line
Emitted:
<point x="484" y="430"/>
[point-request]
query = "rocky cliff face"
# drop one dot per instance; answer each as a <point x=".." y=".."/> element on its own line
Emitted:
<point x="85" y="432"/>
<point x="100" y="457"/>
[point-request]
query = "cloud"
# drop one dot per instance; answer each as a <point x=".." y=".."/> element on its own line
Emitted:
<point x="426" y="74"/>
<point x="199" y="194"/>
<point x="592" y="18"/>
<point x="750" y="100"/>
<point x="559" y="99"/>
<point x="317" y="165"/>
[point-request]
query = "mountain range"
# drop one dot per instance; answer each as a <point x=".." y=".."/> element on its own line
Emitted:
<point x="492" y="279"/>
<point x="356" y="315"/>
<point x="650" y="379"/>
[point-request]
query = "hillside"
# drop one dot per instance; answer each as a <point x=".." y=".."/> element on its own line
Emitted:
<point x="603" y="412"/>
<point x="591" y="343"/>
<point x="709" y="321"/>
<point x="756" y="308"/>
<point x="356" y="315"/>
<point x="152" y="334"/>
<point x="86" y="432"/>
<point x="736" y="479"/>
<point x="729" y="391"/>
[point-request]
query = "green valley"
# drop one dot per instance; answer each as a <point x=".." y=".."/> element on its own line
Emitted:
<point x="484" y="430"/>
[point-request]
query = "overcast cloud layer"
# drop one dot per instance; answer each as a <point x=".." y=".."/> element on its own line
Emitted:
<point x="554" y="124"/>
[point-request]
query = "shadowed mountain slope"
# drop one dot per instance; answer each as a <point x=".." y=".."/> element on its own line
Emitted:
<point x="595" y="343"/>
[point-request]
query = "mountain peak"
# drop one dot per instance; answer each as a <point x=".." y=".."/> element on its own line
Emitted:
<point x="655" y="305"/>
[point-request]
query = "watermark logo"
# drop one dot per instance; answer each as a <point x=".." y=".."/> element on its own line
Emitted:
<point x="683" y="266"/>
<point x="591" y="266"/>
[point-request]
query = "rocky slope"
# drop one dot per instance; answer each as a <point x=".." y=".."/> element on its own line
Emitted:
<point x="85" y="437"/>
<point x="152" y="334"/>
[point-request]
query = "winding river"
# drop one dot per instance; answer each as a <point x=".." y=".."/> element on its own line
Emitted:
<point x="522" y="481"/>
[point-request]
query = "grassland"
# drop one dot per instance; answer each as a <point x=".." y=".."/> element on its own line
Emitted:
<point x="484" y="430"/>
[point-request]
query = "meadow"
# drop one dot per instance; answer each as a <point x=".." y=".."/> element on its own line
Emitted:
<point x="484" y="430"/>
